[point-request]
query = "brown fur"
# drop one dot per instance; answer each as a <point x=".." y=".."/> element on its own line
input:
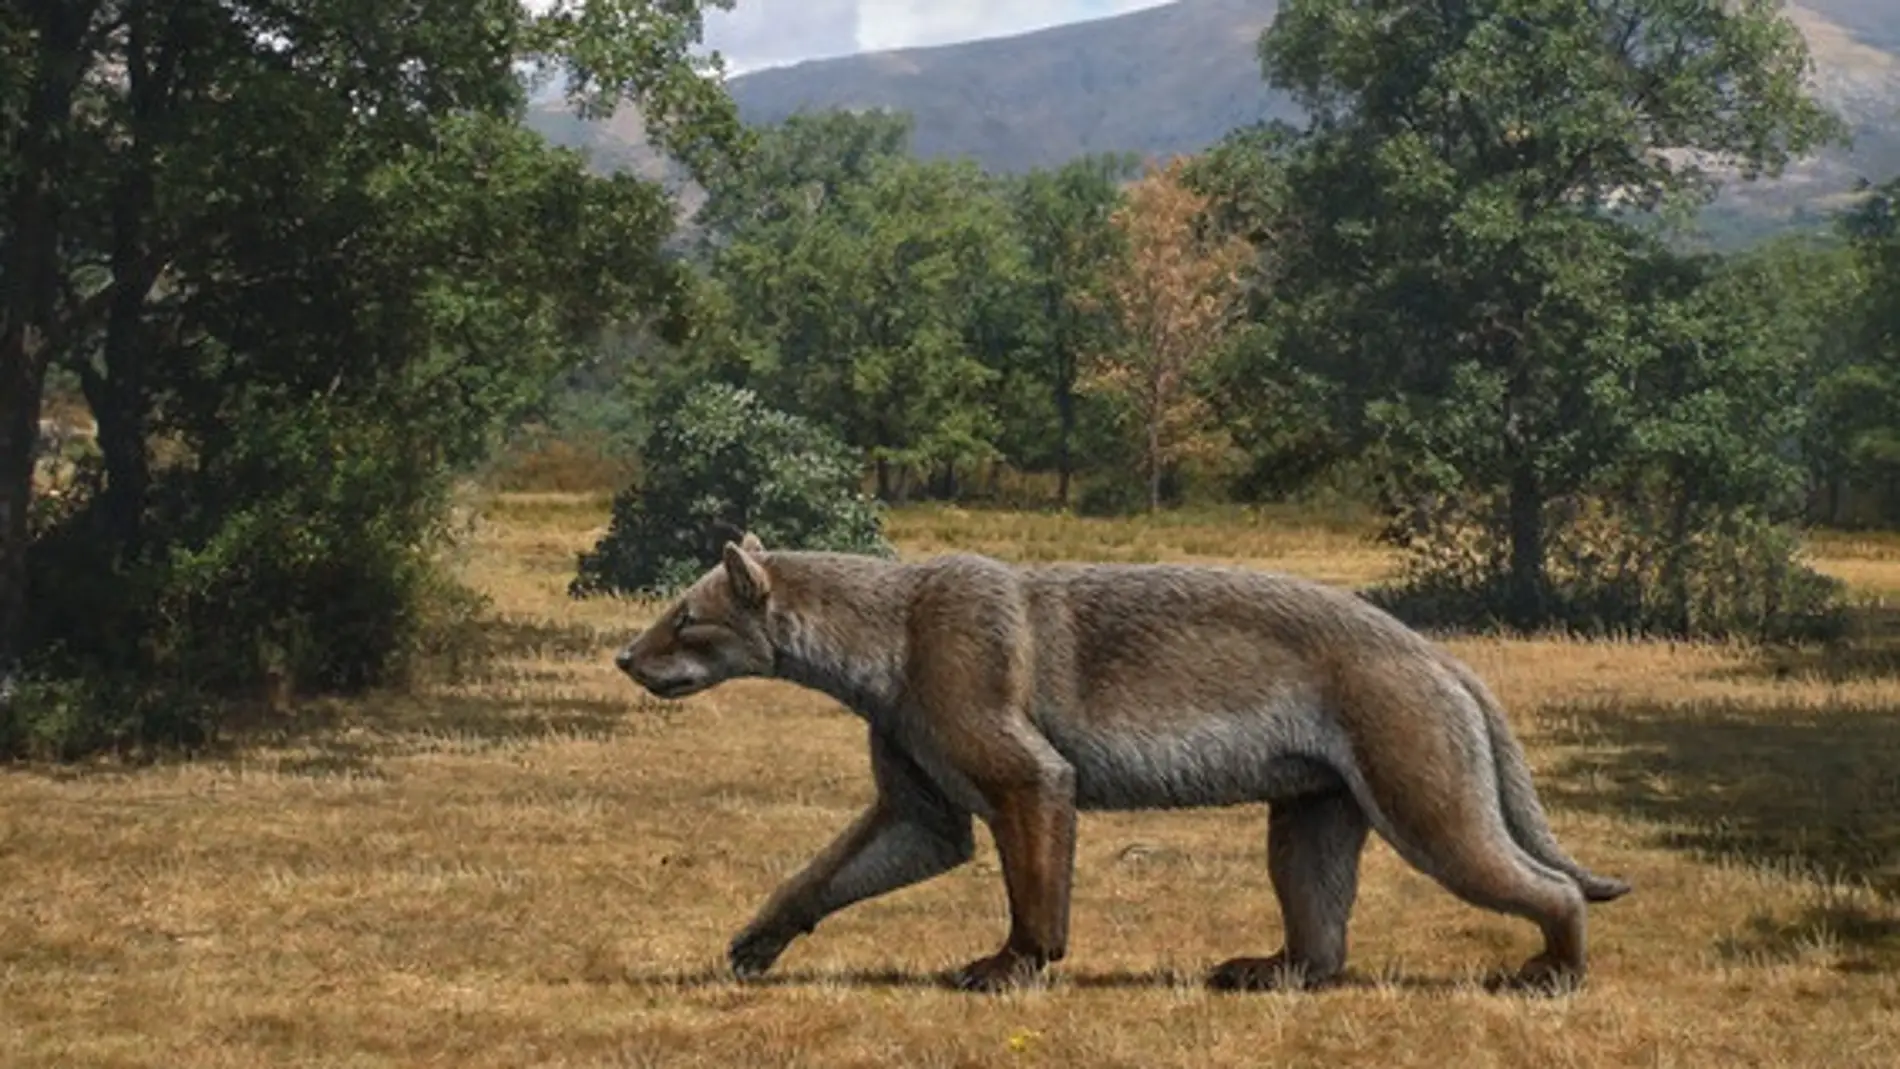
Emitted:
<point x="1018" y="696"/>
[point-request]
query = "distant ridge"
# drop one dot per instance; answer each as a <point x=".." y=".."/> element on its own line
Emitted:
<point x="1174" y="78"/>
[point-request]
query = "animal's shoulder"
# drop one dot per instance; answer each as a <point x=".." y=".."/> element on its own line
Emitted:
<point x="965" y="574"/>
<point x="966" y="591"/>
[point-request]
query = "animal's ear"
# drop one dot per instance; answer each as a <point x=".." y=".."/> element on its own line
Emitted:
<point x="751" y="544"/>
<point x="750" y="584"/>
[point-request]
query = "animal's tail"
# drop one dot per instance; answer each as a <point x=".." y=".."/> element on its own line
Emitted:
<point x="1523" y="814"/>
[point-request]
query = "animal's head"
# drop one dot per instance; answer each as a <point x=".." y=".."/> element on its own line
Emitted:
<point x="714" y="632"/>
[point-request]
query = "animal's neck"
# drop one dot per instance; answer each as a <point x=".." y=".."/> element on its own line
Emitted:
<point x="841" y="629"/>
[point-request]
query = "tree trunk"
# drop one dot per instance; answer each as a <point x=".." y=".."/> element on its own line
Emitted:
<point x="1676" y="565"/>
<point x="119" y="401"/>
<point x="118" y="397"/>
<point x="22" y="385"/>
<point x="943" y="484"/>
<point x="29" y="288"/>
<point x="1527" y="583"/>
<point x="1065" y="417"/>
<point x="1154" y="464"/>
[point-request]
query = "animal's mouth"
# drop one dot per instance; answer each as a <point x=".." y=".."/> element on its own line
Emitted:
<point x="673" y="688"/>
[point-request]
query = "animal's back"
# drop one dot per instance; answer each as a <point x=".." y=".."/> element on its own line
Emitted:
<point x="1168" y="685"/>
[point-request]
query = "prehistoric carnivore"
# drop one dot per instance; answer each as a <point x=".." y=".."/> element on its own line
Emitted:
<point x="1018" y="695"/>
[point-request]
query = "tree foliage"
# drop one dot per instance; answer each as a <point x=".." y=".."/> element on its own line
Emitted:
<point x="304" y="263"/>
<point x="873" y="284"/>
<point x="723" y="464"/>
<point x="796" y="168"/>
<point x="1275" y="408"/>
<point x="1175" y="294"/>
<point x="1854" y="444"/>
<point x="1066" y="221"/>
<point x="1468" y="283"/>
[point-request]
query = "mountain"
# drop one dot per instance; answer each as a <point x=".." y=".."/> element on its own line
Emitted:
<point x="1158" y="81"/>
<point x="1876" y="22"/>
<point x="1174" y="78"/>
<point x="1856" y="49"/>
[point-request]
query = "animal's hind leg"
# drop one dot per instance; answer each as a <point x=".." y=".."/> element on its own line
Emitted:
<point x="1425" y="772"/>
<point x="1506" y="879"/>
<point x="1448" y="832"/>
<point x="1313" y="850"/>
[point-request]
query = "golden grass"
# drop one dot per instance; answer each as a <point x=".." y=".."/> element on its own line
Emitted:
<point x="542" y="868"/>
<point x="1867" y="561"/>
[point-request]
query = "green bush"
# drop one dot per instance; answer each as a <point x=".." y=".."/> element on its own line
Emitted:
<point x="298" y="557"/>
<point x="721" y="464"/>
<point x="1613" y="569"/>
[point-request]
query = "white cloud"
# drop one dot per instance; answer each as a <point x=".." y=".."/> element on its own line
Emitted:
<point x="913" y="23"/>
<point x="766" y="33"/>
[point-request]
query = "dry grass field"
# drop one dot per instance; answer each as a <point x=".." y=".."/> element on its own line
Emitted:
<point x="540" y="867"/>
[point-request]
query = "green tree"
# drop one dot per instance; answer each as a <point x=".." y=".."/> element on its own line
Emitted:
<point x="1276" y="410"/>
<point x="319" y="261"/>
<point x="800" y="165"/>
<point x="1854" y="443"/>
<point x="1065" y="220"/>
<point x="877" y="302"/>
<point x="1464" y="274"/>
<point x="1711" y="468"/>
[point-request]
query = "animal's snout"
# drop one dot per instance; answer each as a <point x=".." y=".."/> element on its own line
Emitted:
<point x="624" y="661"/>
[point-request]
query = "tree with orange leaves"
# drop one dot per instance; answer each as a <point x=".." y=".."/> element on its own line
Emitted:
<point x="1175" y="292"/>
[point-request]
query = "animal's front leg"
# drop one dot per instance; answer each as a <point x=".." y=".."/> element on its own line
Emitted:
<point x="910" y="833"/>
<point x="1034" y="828"/>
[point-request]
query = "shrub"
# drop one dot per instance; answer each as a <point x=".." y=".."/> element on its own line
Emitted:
<point x="1613" y="569"/>
<point x="721" y="464"/>
<point x="299" y="557"/>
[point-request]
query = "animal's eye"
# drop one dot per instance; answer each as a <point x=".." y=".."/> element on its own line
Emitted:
<point x="684" y="620"/>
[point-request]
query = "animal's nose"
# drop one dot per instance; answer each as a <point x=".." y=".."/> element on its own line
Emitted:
<point x="624" y="661"/>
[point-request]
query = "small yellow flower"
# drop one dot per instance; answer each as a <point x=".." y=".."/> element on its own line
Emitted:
<point x="1022" y="1039"/>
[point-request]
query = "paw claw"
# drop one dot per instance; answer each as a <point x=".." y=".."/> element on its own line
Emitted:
<point x="1274" y="973"/>
<point x="999" y="972"/>
<point x="1545" y="976"/>
<point x="752" y="954"/>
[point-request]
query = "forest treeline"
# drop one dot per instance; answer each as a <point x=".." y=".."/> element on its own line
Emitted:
<point x="304" y="276"/>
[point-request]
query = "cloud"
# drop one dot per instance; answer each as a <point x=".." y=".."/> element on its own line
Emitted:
<point x="914" y="23"/>
<point x="766" y="33"/>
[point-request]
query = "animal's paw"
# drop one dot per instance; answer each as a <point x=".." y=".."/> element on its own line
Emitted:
<point x="1001" y="971"/>
<point x="1544" y="975"/>
<point x="1276" y="973"/>
<point x="753" y="951"/>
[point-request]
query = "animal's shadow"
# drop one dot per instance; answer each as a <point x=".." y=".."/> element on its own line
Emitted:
<point x="1161" y="979"/>
<point x="1870" y="650"/>
<point x="1794" y="786"/>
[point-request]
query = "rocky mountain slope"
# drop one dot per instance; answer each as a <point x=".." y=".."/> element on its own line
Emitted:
<point x="1175" y="78"/>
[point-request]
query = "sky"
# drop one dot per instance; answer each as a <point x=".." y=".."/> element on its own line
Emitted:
<point x="765" y="33"/>
<point x="769" y="33"/>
